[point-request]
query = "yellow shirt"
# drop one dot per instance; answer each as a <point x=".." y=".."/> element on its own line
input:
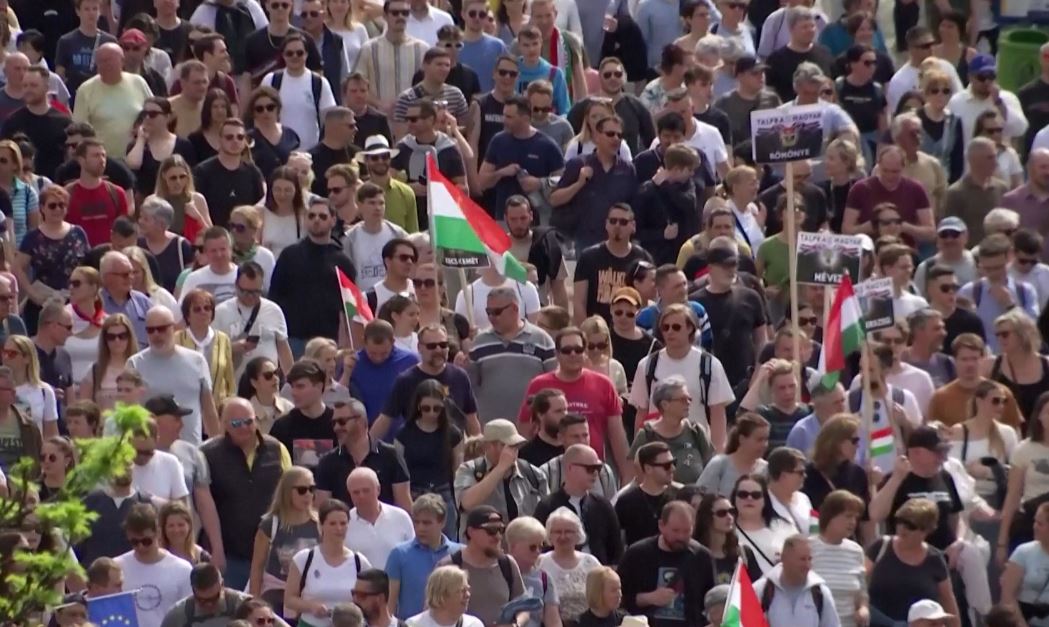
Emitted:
<point x="111" y="109"/>
<point x="285" y="459"/>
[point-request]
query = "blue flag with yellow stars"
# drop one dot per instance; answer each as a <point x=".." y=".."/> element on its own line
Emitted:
<point x="114" y="610"/>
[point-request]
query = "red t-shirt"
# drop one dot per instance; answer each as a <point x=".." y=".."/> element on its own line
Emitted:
<point x="95" y="210"/>
<point x="909" y="197"/>
<point x="593" y="396"/>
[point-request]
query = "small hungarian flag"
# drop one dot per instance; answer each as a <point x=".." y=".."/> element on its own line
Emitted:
<point x="355" y="304"/>
<point x="743" y="608"/>
<point x="457" y="223"/>
<point x="882" y="441"/>
<point x="844" y="333"/>
<point x="814" y="522"/>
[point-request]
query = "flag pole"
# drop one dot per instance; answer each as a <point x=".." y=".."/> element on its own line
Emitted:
<point x="792" y="260"/>
<point x="868" y="399"/>
<point x="467" y="297"/>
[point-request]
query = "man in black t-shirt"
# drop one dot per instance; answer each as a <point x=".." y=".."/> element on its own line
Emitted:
<point x="336" y="146"/>
<point x="802" y="47"/>
<point x="638" y="507"/>
<point x="226" y="180"/>
<point x="941" y="288"/>
<point x="262" y="48"/>
<point x="602" y="268"/>
<point x="306" y="431"/>
<point x="549" y="408"/>
<point x="44" y="125"/>
<point x="425" y="138"/>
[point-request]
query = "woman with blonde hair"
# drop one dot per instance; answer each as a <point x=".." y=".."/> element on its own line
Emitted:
<point x="301" y="163"/>
<point x="447" y="597"/>
<point x="599" y="352"/>
<point x="175" y="185"/>
<point x="198" y="311"/>
<point x="176" y="533"/>
<point x="844" y="165"/>
<point x="143" y="281"/>
<point x="740" y="189"/>
<point x="983" y="441"/>
<point x="290" y="525"/>
<point x="85" y="309"/>
<point x="116" y="344"/>
<point x="35" y="398"/>
<point x="941" y="135"/>
<point x="325" y="351"/>
<point x="525" y="538"/>
<point x="342" y="19"/>
<point x="25" y="203"/>
<point x="833" y="461"/>
<point x="594" y="110"/>
<point x="1019" y="366"/>
<point x="604" y="596"/>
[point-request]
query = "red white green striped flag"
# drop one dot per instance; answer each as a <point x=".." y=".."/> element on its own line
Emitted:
<point x="882" y="441"/>
<point x="457" y="223"/>
<point x="844" y="333"/>
<point x="743" y="608"/>
<point x="353" y="301"/>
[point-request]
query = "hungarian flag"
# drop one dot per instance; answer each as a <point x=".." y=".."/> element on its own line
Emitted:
<point x="844" y="333"/>
<point x="353" y="301"/>
<point x="459" y="224"/>
<point x="743" y="608"/>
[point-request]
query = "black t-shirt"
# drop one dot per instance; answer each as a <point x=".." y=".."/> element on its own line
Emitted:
<point x="56" y="368"/>
<point x="306" y="438"/>
<point x="815" y="207"/>
<point x="784" y="61"/>
<point x="962" y="321"/>
<point x="864" y="104"/>
<point x="939" y="489"/>
<point x="733" y="316"/>
<point x="116" y="172"/>
<point x="262" y="52"/>
<point x="690" y="573"/>
<point x="638" y="513"/>
<point x="171" y="261"/>
<point x="456" y="382"/>
<point x="331" y="473"/>
<point x="323" y="158"/>
<point x="174" y="41"/>
<point x="1034" y="98"/>
<point x="604" y="273"/>
<point x="538" y="451"/>
<point x="895" y="586"/>
<point x="373" y="122"/>
<point x="46" y="132"/>
<point x="719" y="120"/>
<point x="537" y="155"/>
<point x="225" y="189"/>
<point x="848" y="476"/>
<point x="426" y="457"/>
<point x="630" y="352"/>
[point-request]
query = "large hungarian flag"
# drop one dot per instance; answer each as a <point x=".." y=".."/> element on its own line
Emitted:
<point x="743" y="608"/>
<point x="457" y="223"/>
<point x="353" y="301"/>
<point x="844" y="333"/>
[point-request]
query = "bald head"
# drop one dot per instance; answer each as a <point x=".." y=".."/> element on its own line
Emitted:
<point x="362" y="475"/>
<point x="109" y="58"/>
<point x="160" y="329"/>
<point x="581" y="454"/>
<point x="363" y="486"/>
<point x="15" y="66"/>
<point x="1038" y="169"/>
<point x="238" y="420"/>
<point x="159" y="315"/>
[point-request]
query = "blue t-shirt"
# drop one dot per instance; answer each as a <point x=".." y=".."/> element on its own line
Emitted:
<point x="538" y="155"/>
<point x="376" y="380"/>
<point x="544" y="71"/>
<point x="1035" y="564"/>
<point x="453" y="379"/>
<point x="481" y="56"/>
<point x="411" y="563"/>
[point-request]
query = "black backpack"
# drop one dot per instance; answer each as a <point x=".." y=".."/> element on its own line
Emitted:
<point x="504" y="567"/>
<point x="316" y="84"/>
<point x="770" y="591"/>
<point x="705" y="365"/>
<point x="234" y="23"/>
<point x="230" y="609"/>
<point x="1021" y="294"/>
<point x="309" y="560"/>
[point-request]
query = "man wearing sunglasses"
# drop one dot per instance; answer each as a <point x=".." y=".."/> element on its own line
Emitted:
<point x="334" y="60"/>
<point x="952" y="252"/>
<point x="638" y="505"/>
<point x="262" y="48"/>
<point x="638" y="128"/>
<point x="985" y="94"/>
<point x="480" y="51"/>
<point x="1027" y="262"/>
<point x="256" y="324"/>
<point x="212" y="603"/>
<point x="920" y="41"/>
<point x="396" y="55"/>
<point x="160" y="578"/>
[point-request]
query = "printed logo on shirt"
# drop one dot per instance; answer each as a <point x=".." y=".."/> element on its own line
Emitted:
<point x="148" y="597"/>
<point x="670" y="578"/>
<point x="936" y="496"/>
<point x="608" y="281"/>
<point x="308" y="452"/>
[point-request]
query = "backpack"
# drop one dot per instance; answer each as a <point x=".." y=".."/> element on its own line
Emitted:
<point x="504" y="567"/>
<point x="856" y="398"/>
<point x="699" y="439"/>
<point x="234" y="23"/>
<point x="1021" y="294"/>
<point x="705" y="365"/>
<point x="770" y="591"/>
<point x="229" y="610"/>
<point x="309" y="560"/>
<point x="316" y="84"/>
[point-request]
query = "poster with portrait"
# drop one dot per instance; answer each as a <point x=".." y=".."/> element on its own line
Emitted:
<point x="787" y="133"/>
<point x="824" y="258"/>
<point x="875" y="297"/>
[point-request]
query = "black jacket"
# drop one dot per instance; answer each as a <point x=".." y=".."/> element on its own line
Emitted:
<point x="657" y="206"/>
<point x="603" y="535"/>
<point x="305" y="274"/>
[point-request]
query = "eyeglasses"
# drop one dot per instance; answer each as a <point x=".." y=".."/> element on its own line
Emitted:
<point x="597" y="346"/>
<point x="294" y="53"/>
<point x="430" y="409"/>
<point x="303" y="490"/>
<point x="202" y="309"/>
<point x="1026" y="261"/>
<point x="262" y="621"/>
<point x="117" y="336"/>
<point x="234" y="136"/>
<point x="755" y="495"/>
<point x="807" y="321"/>
<point x="508" y="73"/>
<point x="160" y="328"/>
<point x="671" y="326"/>
<point x="495" y="311"/>
<point x="420" y="283"/>
<point x="152" y="113"/>
<point x="11" y="353"/>
<point x="542" y="109"/>
<point x="237" y="423"/>
<point x="406" y="258"/>
<point x="337" y="189"/>
<point x="612" y="74"/>
<point x="317" y="216"/>
<point x="939" y="91"/>
<point x="143" y="542"/>
<point x="997" y="401"/>
<point x="50" y="457"/>
<point x="949" y="288"/>
<point x="477" y="14"/>
<point x="399" y="12"/>
<point x="248" y="292"/>
<point x="268" y="375"/>
<point x="571" y="350"/>
<point x="590" y="469"/>
<point x="613" y="134"/>
<point x="342" y="422"/>
<point x="619" y="221"/>
<point x="722" y="513"/>
<point x="667" y="466"/>
<point x="458" y="45"/>
<point x="259" y="108"/>
<point x="432" y="346"/>
<point x="623" y="313"/>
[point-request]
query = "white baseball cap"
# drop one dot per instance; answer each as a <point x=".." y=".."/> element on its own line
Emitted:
<point x="926" y="609"/>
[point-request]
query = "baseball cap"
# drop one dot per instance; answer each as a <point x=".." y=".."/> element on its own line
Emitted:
<point x="982" y="64"/>
<point x="134" y="37"/>
<point x="165" y="405"/>
<point x="721" y="256"/>
<point x="748" y="64"/>
<point x="952" y="223"/>
<point x="483" y="515"/>
<point x="926" y="437"/>
<point x="628" y="294"/>
<point x="502" y="430"/>
<point x="926" y="609"/>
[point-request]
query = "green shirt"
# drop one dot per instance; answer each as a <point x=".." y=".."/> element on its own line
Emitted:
<point x="774" y="254"/>
<point x="400" y="206"/>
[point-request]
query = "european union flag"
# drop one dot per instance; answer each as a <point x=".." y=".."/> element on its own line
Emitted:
<point x="114" y="610"/>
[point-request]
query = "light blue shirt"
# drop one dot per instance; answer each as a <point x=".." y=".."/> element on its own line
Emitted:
<point x="135" y="308"/>
<point x="411" y="563"/>
<point x="988" y="308"/>
<point x="544" y="71"/>
<point x="481" y="56"/>
<point x="803" y="434"/>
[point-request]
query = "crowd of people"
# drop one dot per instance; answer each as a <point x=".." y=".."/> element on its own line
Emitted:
<point x="605" y="443"/>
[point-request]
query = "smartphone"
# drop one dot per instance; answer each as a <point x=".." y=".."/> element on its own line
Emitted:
<point x="254" y="339"/>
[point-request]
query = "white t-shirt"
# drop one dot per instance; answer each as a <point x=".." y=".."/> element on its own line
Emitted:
<point x="527" y="300"/>
<point x="222" y="286"/>
<point x="270" y="325"/>
<point x="426" y="620"/>
<point x="747" y="227"/>
<point x="706" y="139"/>
<point x="298" y="110"/>
<point x="162" y="297"/>
<point x="906" y="79"/>
<point x="767" y="542"/>
<point x="326" y="583"/>
<point x="159" y="586"/>
<point x="914" y="379"/>
<point x="426" y="28"/>
<point x="798" y="512"/>
<point x="383" y="294"/>
<point x="906" y="304"/>
<point x="392" y="527"/>
<point x="37" y="402"/>
<point x="161" y="476"/>
<point x="720" y="392"/>
<point x="365" y="251"/>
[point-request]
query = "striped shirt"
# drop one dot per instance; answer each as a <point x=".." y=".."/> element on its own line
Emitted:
<point x="390" y="67"/>
<point x="842" y="568"/>
<point x="450" y="94"/>
<point x="500" y="371"/>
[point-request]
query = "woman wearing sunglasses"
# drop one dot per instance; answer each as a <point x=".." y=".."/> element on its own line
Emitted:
<point x="258" y="613"/>
<point x="198" y="310"/>
<point x="432" y="446"/>
<point x="1019" y="366"/>
<point x="35" y="398"/>
<point x="116" y="344"/>
<point x="630" y="344"/>
<point x="902" y="569"/>
<point x="599" y="352"/>
<point x="983" y="442"/>
<point x="154" y="143"/>
<point x="429" y="284"/>
<point x="290" y="526"/>
<point x="57" y="458"/>
<point x="272" y="142"/>
<point x="716" y="530"/>
<point x="833" y="466"/>
<point x="85" y="309"/>
<point x="758" y="526"/>
<point x="839" y="559"/>
<point x="175" y="185"/>
<point x="259" y="384"/>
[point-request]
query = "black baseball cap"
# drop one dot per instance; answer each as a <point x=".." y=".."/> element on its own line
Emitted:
<point x="928" y="438"/>
<point x="165" y="405"/>
<point x="721" y="257"/>
<point x="749" y="63"/>
<point x="482" y="516"/>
